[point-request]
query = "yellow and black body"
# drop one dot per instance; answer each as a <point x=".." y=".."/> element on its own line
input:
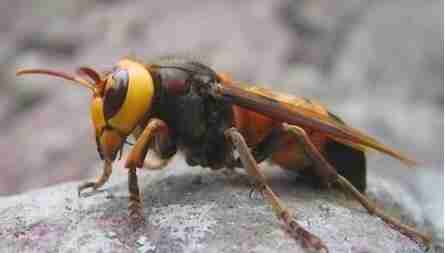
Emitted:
<point x="177" y="104"/>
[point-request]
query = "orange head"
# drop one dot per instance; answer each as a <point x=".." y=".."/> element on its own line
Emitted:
<point x="120" y="100"/>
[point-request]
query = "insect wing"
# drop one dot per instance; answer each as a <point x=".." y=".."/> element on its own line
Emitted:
<point x="291" y="110"/>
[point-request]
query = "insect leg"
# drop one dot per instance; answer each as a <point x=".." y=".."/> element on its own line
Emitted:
<point x="136" y="160"/>
<point x="161" y="149"/>
<point x="154" y="128"/>
<point x="106" y="173"/>
<point x="155" y="163"/>
<point x="135" y="202"/>
<point x="328" y="173"/>
<point x="295" y="230"/>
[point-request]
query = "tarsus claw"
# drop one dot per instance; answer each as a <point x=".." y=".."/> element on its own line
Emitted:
<point x="84" y="186"/>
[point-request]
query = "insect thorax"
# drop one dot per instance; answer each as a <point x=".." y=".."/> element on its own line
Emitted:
<point x="197" y="119"/>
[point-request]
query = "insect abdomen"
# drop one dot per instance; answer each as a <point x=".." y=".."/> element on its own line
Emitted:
<point x="349" y="162"/>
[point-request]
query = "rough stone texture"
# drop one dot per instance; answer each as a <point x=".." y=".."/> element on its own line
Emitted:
<point x="376" y="63"/>
<point x="189" y="210"/>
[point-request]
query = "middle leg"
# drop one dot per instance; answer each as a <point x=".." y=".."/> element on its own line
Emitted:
<point x="249" y="163"/>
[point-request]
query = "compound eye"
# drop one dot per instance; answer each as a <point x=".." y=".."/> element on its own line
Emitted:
<point x="115" y="92"/>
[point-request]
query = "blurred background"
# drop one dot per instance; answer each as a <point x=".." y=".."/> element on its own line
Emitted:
<point x="378" y="64"/>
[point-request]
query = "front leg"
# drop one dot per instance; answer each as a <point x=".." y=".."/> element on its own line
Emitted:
<point x="106" y="173"/>
<point x="135" y="159"/>
<point x="162" y="148"/>
<point x="249" y="163"/>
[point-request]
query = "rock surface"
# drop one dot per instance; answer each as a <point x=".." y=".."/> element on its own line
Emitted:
<point x="189" y="210"/>
<point x="378" y="64"/>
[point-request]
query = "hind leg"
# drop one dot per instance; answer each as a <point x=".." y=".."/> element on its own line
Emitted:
<point x="348" y="162"/>
<point x="329" y="175"/>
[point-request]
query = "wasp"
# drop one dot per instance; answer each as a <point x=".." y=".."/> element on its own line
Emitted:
<point x="180" y="105"/>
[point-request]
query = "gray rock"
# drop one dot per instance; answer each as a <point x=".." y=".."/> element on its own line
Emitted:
<point x="216" y="215"/>
<point x="378" y="64"/>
